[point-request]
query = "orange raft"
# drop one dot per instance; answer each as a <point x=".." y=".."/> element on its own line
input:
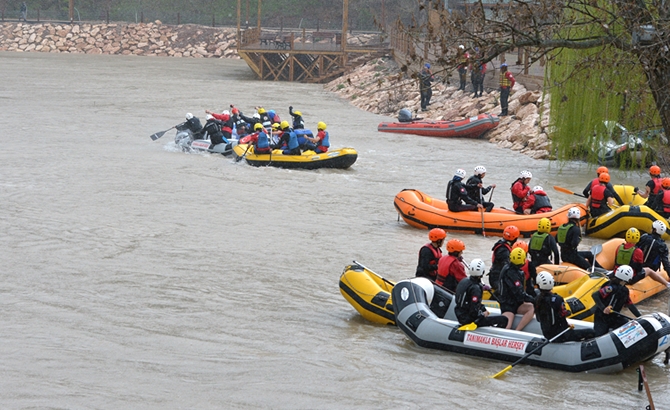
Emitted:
<point x="472" y="127"/>
<point x="422" y="211"/>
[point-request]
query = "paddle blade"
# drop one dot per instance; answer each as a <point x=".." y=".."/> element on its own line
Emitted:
<point x="564" y="190"/>
<point x="468" y="328"/>
<point x="503" y="371"/>
<point x="157" y="135"/>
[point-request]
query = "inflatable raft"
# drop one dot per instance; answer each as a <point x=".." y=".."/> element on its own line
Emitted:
<point x="616" y="222"/>
<point x="369" y="293"/>
<point x="433" y="324"/>
<point x="422" y="211"/>
<point x="342" y="158"/>
<point x="473" y="127"/>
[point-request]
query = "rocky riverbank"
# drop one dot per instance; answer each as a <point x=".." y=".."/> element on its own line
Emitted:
<point x="144" y="39"/>
<point x="380" y="87"/>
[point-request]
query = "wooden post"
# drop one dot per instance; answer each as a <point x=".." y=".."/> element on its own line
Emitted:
<point x="642" y="380"/>
<point x="345" y="24"/>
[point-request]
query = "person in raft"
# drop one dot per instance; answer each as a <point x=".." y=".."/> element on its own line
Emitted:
<point x="457" y="195"/>
<point x="569" y="236"/>
<point x="513" y="299"/>
<point x="321" y="142"/>
<point x="501" y="251"/>
<point x="469" y="308"/>
<point x="587" y="191"/>
<point x="543" y="245"/>
<point x="520" y="191"/>
<point x="611" y="297"/>
<point x="430" y="254"/>
<point x="451" y="268"/>
<point x="288" y="141"/>
<point x="601" y="198"/>
<point x="476" y="189"/>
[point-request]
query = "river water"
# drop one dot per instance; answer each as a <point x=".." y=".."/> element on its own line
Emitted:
<point x="136" y="276"/>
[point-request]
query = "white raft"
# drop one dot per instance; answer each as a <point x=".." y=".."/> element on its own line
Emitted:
<point x="436" y="327"/>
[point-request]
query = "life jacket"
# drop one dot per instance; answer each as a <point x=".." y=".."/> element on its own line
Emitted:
<point x="665" y="199"/>
<point x="595" y="182"/>
<point x="657" y="185"/>
<point x="194" y="125"/>
<point x="298" y="122"/>
<point x="598" y="196"/>
<point x="516" y="199"/>
<point x="437" y="254"/>
<point x="263" y="141"/>
<point x="615" y="296"/>
<point x="526" y="273"/>
<point x="541" y="201"/>
<point x="325" y="142"/>
<point x="504" y="81"/>
<point x="301" y="136"/>
<point x="266" y="120"/>
<point x="623" y="255"/>
<point x="445" y="280"/>
<point x="537" y="240"/>
<point x="292" y="140"/>
<point x="562" y="233"/>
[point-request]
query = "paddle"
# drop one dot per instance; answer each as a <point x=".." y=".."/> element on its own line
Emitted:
<point x="469" y="327"/>
<point x="376" y="274"/>
<point x="508" y="368"/>
<point x="595" y="249"/>
<point x="481" y="211"/>
<point x="238" y="159"/>
<point x="567" y="191"/>
<point x="491" y="195"/>
<point x="159" y="134"/>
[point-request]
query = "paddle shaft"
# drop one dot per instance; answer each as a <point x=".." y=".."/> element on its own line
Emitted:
<point x="567" y="191"/>
<point x="481" y="211"/>
<point x="238" y="159"/>
<point x="159" y="134"/>
<point x="508" y="368"/>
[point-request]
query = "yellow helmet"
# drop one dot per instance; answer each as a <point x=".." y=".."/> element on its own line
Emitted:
<point x="321" y="125"/>
<point x="517" y="256"/>
<point x="544" y="225"/>
<point x="632" y="235"/>
<point x="258" y="126"/>
<point x="275" y="126"/>
<point x="297" y="113"/>
<point x="261" y="110"/>
<point x="284" y="125"/>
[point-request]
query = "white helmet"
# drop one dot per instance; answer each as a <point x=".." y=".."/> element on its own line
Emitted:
<point x="479" y="169"/>
<point x="537" y="188"/>
<point x="427" y="286"/>
<point x="462" y="47"/>
<point x="525" y="174"/>
<point x="477" y="267"/>
<point x="257" y="116"/>
<point x="460" y="173"/>
<point x="624" y="273"/>
<point x="225" y="112"/>
<point x="574" y="213"/>
<point x="189" y="115"/>
<point x="209" y="117"/>
<point x="545" y="280"/>
<point x="659" y="227"/>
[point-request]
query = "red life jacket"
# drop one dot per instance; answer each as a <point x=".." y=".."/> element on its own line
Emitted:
<point x="441" y="279"/>
<point x="525" y="270"/>
<point x="597" y="196"/>
<point x="437" y="254"/>
<point x="657" y="185"/>
<point x="666" y="201"/>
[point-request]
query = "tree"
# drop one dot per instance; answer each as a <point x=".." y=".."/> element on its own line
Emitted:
<point x="635" y="32"/>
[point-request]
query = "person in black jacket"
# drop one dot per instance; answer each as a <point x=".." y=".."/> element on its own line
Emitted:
<point x="655" y="249"/>
<point x="298" y="122"/>
<point x="193" y="124"/>
<point x="430" y="254"/>
<point x="457" y="196"/>
<point x="587" y="191"/>
<point x="542" y="245"/>
<point x="569" y="236"/>
<point x="469" y="308"/>
<point x="550" y="311"/>
<point x="476" y="189"/>
<point x="511" y="294"/>
<point x="501" y="250"/>
<point x="612" y="297"/>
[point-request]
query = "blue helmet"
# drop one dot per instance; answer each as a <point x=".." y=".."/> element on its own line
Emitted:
<point x="271" y="113"/>
<point x="427" y="65"/>
<point x="503" y="65"/>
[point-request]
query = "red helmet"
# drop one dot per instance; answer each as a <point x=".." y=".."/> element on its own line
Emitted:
<point x="455" y="245"/>
<point x="655" y="170"/>
<point x="511" y="233"/>
<point x="601" y="170"/>
<point x="436" y="234"/>
<point x="520" y="244"/>
<point x="665" y="182"/>
<point x="236" y="111"/>
<point x="604" y="177"/>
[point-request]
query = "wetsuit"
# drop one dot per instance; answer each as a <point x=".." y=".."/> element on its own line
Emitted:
<point x="469" y="306"/>
<point x="457" y="194"/>
<point x="550" y="311"/>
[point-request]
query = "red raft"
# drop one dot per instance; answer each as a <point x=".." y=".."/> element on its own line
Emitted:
<point x="473" y="127"/>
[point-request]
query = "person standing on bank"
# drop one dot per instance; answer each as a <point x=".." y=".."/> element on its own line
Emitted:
<point x="425" y="86"/>
<point x="469" y="308"/>
<point x="457" y="196"/>
<point x="24" y="11"/>
<point x="430" y="254"/>
<point x="507" y="82"/>
<point x="462" y="58"/>
<point x="476" y="189"/>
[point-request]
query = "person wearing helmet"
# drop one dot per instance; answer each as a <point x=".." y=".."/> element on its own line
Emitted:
<point x="462" y="58"/>
<point x="511" y="294"/>
<point x="538" y="202"/>
<point x="528" y="268"/>
<point x="652" y="187"/>
<point x="550" y="311"/>
<point x="298" y="122"/>
<point x="655" y="251"/>
<point x="273" y="116"/>
<point x="213" y="131"/>
<point x="612" y="297"/>
<point x="507" y="82"/>
<point x="596" y="181"/>
<point x="568" y="236"/>
<point x="450" y="268"/>
<point x="425" y="86"/>
<point x="288" y="140"/>
<point x="430" y="254"/>
<point x="240" y="128"/>
<point x="661" y="201"/>
<point x="543" y="245"/>
<point x="520" y="191"/>
<point x="321" y="142"/>
<point x="193" y="124"/>
<point x="225" y="122"/>
<point x="260" y="140"/>
<point x="629" y="254"/>
<point x="476" y="189"/>
<point x="477" y="72"/>
<point x="469" y="292"/>
<point x="457" y="195"/>
<point x="500" y="256"/>
<point x="601" y="198"/>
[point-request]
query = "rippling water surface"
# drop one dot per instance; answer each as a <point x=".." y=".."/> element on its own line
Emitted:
<point x="136" y="276"/>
